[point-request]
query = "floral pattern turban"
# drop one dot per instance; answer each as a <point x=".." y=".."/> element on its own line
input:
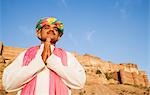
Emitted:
<point x="49" y="21"/>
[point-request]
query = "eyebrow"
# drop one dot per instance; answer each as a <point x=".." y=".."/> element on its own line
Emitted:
<point x="46" y="26"/>
<point x="55" y="27"/>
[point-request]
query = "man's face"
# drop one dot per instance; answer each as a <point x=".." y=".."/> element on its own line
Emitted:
<point x="49" y="31"/>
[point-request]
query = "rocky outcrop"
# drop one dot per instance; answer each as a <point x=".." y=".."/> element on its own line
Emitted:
<point x="124" y="73"/>
<point x="10" y="53"/>
<point x="130" y="75"/>
<point x="99" y="73"/>
<point x="126" y="77"/>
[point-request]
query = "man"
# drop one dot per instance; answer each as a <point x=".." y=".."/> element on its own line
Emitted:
<point x="45" y="69"/>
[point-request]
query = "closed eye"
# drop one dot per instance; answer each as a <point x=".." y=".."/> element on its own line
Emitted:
<point x="55" y="28"/>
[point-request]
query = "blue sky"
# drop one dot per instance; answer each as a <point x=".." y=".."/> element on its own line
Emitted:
<point x="114" y="30"/>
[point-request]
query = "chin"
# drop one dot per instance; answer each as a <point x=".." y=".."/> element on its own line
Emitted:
<point x="53" y="41"/>
<point x="42" y="39"/>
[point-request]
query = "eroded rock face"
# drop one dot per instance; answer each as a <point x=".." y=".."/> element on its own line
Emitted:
<point x="124" y="73"/>
<point x="10" y="53"/>
<point x="99" y="72"/>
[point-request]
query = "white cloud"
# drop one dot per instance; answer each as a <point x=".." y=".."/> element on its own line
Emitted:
<point x="64" y="3"/>
<point x="90" y="35"/>
<point x="123" y="7"/>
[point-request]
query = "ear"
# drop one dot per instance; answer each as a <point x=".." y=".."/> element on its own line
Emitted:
<point x="38" y="33"/>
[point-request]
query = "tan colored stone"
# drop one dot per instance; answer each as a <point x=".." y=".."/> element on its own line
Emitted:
<point x="128" y="67"/>
<point x="11" y="52"/>
<point x="112" y="81"/>
<point x="126" y="77"/>
<point x="1" y="47"/>
<point x="94" y="89"/>
<point x="2" y="66"/>
<point x="115" y="76"/>
<point x="1" y="59"/>
<point x="1" y="87"/>
<point x="140" y="79"/>
<point x="145" y="77"/>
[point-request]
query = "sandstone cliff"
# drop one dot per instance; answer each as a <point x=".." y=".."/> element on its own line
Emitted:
<point x="103" y="77"/>
<point x="126" y="73"/>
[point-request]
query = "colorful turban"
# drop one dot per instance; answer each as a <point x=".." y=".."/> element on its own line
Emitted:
<point x="49" y="21"/>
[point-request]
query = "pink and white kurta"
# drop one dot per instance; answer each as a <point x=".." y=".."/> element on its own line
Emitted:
<point x="15" y="75"/>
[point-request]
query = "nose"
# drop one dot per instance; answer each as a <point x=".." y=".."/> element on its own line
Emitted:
<point x="50" y="31"/>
